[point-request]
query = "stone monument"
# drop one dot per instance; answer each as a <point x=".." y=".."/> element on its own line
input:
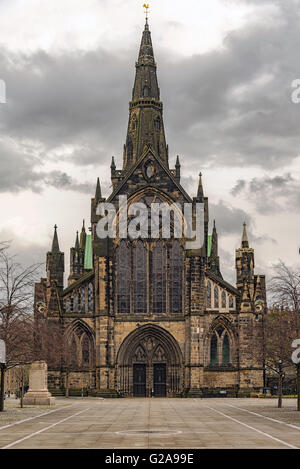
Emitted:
<point x="38" y="393"/>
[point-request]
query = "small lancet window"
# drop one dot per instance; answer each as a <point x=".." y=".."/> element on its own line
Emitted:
<point x="216" y="297"/>
<point x="208" y="294"/>
<point x="223" y="300"/>
<point x="82" y="300"/>
<point x="231" y="304"/>
<point x="91" y="297"/>
<point x="146" y="92"/>
<point x="75" y="303"/>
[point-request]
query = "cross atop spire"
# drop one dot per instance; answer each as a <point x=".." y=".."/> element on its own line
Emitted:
<point x="146" y="6"/>
<point x="55" y="245"/>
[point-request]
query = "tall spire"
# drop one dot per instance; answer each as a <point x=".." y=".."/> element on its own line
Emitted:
<point x="98" y="190"/>
<point x="214" y="260"/>
<point x="145" y="127"/>
<point x="245" y="243"/>
<point x="55" y="245"/>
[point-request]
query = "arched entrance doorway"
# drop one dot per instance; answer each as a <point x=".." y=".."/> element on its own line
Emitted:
<point x="149" y="362"/>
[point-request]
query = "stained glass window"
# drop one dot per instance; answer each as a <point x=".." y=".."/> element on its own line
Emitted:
<point x="82" y="300"/>
<point x="139" y="278"/>
<point x="158" y="295"/>
<point x="216" y="297"/>
<point x="176" y="269"/>
<point x="91" y="297"/>
<point x="208" y="294"/>
<point x="68" y="305"/>
<point x="123" y="278"/>
<point x="223" y="299"/>
<point x="225" y="350"/>
<point x="231" y="305"/>
<point x="214" y="350"/>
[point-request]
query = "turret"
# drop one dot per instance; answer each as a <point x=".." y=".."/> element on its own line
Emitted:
<point x="245" y="264"/>
<point x="76" y="260"/>
<point x="55" y="264"/>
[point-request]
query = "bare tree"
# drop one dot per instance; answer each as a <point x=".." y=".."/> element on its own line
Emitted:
<point x="284" y="289"/>
<point x="16" y="308"/>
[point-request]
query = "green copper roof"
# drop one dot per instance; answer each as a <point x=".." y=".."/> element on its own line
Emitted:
<point x="88" y="254"/>
<point x="209" y="245"/>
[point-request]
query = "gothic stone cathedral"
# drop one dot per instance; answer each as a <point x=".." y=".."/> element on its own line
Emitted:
<point x="148" y="317"/>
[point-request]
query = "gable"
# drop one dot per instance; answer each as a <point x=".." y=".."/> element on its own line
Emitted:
<point x="150" y="171"/>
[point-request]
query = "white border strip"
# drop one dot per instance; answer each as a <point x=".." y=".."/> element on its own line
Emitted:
<point x="43" y="429"/>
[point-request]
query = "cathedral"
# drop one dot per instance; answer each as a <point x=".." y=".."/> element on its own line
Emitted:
<point x="148" y="317"/>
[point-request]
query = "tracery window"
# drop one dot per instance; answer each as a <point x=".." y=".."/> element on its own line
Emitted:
<point x="139" y="263"/>
<point x="159" y="279"/>
<point x="208" y="294"/>
<point x="123" y="278"/>
<point x="220" y="347"/>
<point x="82" y="300"/>
<point x="90" y="297"/>
<point x="176" y="269"/>
<point x="223" y="299"/>
<point x="216" y="297"/>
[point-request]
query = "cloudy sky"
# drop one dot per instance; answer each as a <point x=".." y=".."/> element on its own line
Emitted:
<point x="225" y="69"/>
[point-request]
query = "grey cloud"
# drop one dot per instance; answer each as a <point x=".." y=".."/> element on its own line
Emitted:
<point x="271" y="194"/>
<point x="227" y="107"/>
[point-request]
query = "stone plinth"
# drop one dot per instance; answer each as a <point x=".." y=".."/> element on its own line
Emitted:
<point x="38" y="393"/>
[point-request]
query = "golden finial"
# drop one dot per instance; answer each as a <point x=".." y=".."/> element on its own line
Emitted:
<point x="146" y="6"/>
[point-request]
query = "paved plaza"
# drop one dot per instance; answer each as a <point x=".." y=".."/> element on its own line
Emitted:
<point x="92" y="423"/>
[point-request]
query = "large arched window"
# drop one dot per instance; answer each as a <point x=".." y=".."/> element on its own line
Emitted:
<point x="176" y="269"/>
<point x="139" y="278"/>
<point x="214" y="350"/>
<point x="158" y="296"/>
<point x="123" y="278"/>
<point x="208" y="294"/>
<point x="225" y="350"/>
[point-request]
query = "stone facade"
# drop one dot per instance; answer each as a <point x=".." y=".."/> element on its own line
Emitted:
<point x="148" y="316"/>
